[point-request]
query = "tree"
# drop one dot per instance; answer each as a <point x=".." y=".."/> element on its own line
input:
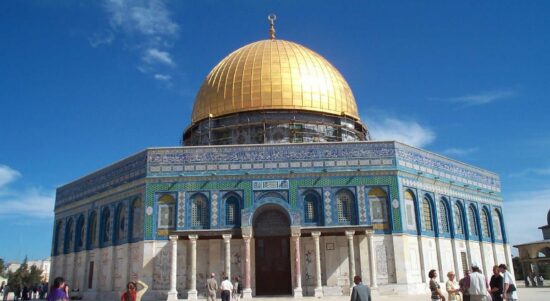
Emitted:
<point x="24" y="276"/>
<point x="2" y="267"/>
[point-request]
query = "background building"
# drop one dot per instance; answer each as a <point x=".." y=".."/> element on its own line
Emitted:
<point x="276" y="179"/>
<point x="535" y="256"/>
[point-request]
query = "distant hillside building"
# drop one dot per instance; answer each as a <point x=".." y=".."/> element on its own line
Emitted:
<point x="277" y="182"/>
<point x="537" y="253"/>
<point x="43" y="264"/>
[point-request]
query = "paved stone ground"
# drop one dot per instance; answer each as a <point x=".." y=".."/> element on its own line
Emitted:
<point x="525" y="294"/>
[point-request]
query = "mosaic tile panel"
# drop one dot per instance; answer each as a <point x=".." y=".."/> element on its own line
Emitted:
<point x="181" y="210"/>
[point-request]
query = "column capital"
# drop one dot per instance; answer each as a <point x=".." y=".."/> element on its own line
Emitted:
<point x="227" y="237"/>
<point x="350" y="233"/>
<point x="173" y="238"/>
<point x="193" y="237"/>
<point x="369" y="233"/>
<point x="316" y="234"/>
<point x="295" y="231"/>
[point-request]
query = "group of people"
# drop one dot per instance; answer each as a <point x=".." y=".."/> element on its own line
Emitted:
<point x="534" y="280"/>
<point x="25" y="293"/>
<point x="475" y="286"/>
<point x="227" y="289"/>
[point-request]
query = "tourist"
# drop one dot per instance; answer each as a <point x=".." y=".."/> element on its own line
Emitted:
<point x="509" y="289"/>
<point x="211" y="287"/>
<point x="226" y="288"/>
<point x="237" y="289"/>
<point x="464" y="284"/>
<point x="526" y="281"/>
<point x="540" y="280"/>
<point x="360" y="292"/>
<point x="5" y="292"/>
<point x="452" y="287"/>
<point x="434" y="286"/>
<point x="496" y="284"/>
<point x="131" y="293"/>
<point x="57" y="291"/>
<point x="478" y="284"/>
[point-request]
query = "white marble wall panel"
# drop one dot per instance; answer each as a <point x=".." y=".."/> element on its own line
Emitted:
<point x="385" y="259"/>
<point x="203" y="265"/>
<point x="121" y="267"/>
<point x="475" y="252"/>
<point x="308" y="266"/>
<point x="501" y="257"/>
<point x="181" y="282"/>
<point x="237" y="258"/>
<point x="80" y="271"/>
<point x="430" y="255"/>
<point x="161" y="266"/>
<point x="447" y="257"/>
<point x="489" y="258"/>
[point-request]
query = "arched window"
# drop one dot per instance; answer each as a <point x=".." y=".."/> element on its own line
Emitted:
<point x="409" y="210"/>
<point x="92" y="230"/>
<point x="458" y="218"/>
<point x="427" y="220"/>
<point x="199" y="212"/>
<point x="107" y="226"/>
<point x="345" y="207"/>
<point x="485" y="224"/>
<point x="311" y="207"/>
<point x="472" y="221"/>
<point x="121" y="233"/>
<point x="167" y="212"/>
<point x="137" y="218"/>
<point x="58" y="240"/>
<point x="80" y="234"/>
<point x="497" y="225"/>
<point x="232" y="211"/>
<point x="443" y="217"/>
<point x="69" y="236"/>
<point x="378" y="201"/>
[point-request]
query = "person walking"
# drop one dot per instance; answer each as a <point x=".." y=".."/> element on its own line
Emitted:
<point x="226" y="289"/>
<point x="57" y="291"/>
<point x="360" y="292"/>
<point x="496" y="284"/>
<point x="452" y="287"/>
<point x="478" y="284"/>
<point x="211" y="287"/>
<point x="132" y="293"/>
<point x="509" y="288"/>
<point x="434" y="286"/>
<point x="237" y="289"/>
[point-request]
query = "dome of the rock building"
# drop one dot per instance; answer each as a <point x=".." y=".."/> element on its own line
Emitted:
<point x="274" y="74"/>
<point x="274" y="91"/>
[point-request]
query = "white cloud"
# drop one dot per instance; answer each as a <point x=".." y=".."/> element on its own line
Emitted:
<point x="162" y="77"/>
<point x="453" y="151"/>
<point x="154" y="55"/>
<point x="530" y="172"/>
<point x="406" y="131"/>
<point x="30" y="202"/>
<point x="149" y="26"/>
<point x="101" y="38"/>
<point x="524" y="212"/>
<point x="482" y="97"/>
<point x="7" y="175"/>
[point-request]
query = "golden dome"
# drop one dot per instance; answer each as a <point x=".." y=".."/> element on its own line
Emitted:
<point x="271" y="75"/>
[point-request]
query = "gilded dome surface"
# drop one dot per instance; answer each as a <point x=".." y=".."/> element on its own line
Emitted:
<point x="272" y="75"/>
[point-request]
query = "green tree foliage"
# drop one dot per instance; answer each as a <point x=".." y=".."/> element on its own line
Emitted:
<point x="24" y="276"/>
<point x="2" y="267"/>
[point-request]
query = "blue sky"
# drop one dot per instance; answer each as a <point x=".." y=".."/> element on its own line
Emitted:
<point x="83" y="84"/>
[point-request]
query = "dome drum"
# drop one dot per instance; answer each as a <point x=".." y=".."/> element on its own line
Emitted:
<point x="274" y="126"/>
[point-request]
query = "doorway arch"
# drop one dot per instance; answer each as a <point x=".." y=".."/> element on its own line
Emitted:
<point x="271" y="224"/>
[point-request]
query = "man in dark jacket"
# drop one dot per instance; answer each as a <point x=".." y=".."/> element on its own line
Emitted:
<point x="360" y="291"/>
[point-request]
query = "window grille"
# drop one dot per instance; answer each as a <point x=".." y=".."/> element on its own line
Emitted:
<point x="167" y="212"/>
<point x="137" y="218"/>
<point x="106" y="226"/>
<point x="92" y="232"/>
<point x="230" y="213"/>
<point x="344" y="202"/>
<point x="472" y="221"/>
<point x="484" y="224"/>
<point x="459" y="227"/>
<point x="377" y="200"/>
<point x="443" y="218"/>
<point x="427" y="222"/>
<point x="310" y="208"/>
<point x="199" y="212"/>
<point x="121" y="235"/>
<point x="409" y="211"/>
<point x="497" y="227"/>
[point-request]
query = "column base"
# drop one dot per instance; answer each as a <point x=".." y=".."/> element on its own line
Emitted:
<point x="192" y="295"/>
<point x="247" y="294"/>
<point x="172" y="296"/>
<point x="298" y="292"/>
<point x="319" y="292"/>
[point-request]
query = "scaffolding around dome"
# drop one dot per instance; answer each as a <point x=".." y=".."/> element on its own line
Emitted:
<point x="274" y="126"/>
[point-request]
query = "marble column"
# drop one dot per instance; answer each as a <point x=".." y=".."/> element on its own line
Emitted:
<point x="372" y="261"/>
<point x="173" y="293"/>
<point x="351" y="257"/>
<point x="227" y="245"/>
<point x="247" y="292"/>
<point x="192" y="293"/>
<point x="297" y="265"/>
<point x="442" y="275"/>
<point x="318" y="280"/>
